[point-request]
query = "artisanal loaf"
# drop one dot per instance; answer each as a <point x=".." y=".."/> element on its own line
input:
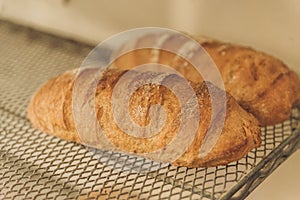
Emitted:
<point x="50" y="110"/>
<point x="261" y="84"/>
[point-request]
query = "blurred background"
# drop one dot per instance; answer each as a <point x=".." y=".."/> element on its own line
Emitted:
<point x="270" y="26"/>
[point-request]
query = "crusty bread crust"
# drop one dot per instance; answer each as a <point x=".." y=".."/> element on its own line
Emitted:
<point x="261" y="84"/>
<point x="50" y="110"/>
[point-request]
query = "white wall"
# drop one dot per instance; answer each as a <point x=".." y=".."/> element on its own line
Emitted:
<point x="271" y="26"/>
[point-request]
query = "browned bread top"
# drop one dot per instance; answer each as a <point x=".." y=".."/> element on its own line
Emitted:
<point x="262" y="84"/>
<point x="50" y="110"/>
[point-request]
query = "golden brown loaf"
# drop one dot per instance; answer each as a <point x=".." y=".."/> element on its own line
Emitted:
<point x="261" y="84"/>
<point x="50" y="110"/>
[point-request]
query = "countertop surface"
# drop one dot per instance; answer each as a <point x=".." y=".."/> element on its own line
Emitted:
<point x="282" y="184"/>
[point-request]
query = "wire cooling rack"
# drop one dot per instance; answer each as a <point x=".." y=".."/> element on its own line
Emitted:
<point x="34" y="165"/>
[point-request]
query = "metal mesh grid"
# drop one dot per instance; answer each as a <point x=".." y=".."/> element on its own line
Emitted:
<point x="34" y="165"/>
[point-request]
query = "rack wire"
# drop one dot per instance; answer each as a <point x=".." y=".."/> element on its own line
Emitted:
<point x="34" y="165"/>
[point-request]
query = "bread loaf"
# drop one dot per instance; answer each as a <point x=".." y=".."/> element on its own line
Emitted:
<point x="261" y="84"/>
<point x="50" y="110"/>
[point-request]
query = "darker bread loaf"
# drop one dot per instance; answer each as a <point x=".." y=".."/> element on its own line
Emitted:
<point x="261" y="84"/>
<point x="50" y="110"/>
